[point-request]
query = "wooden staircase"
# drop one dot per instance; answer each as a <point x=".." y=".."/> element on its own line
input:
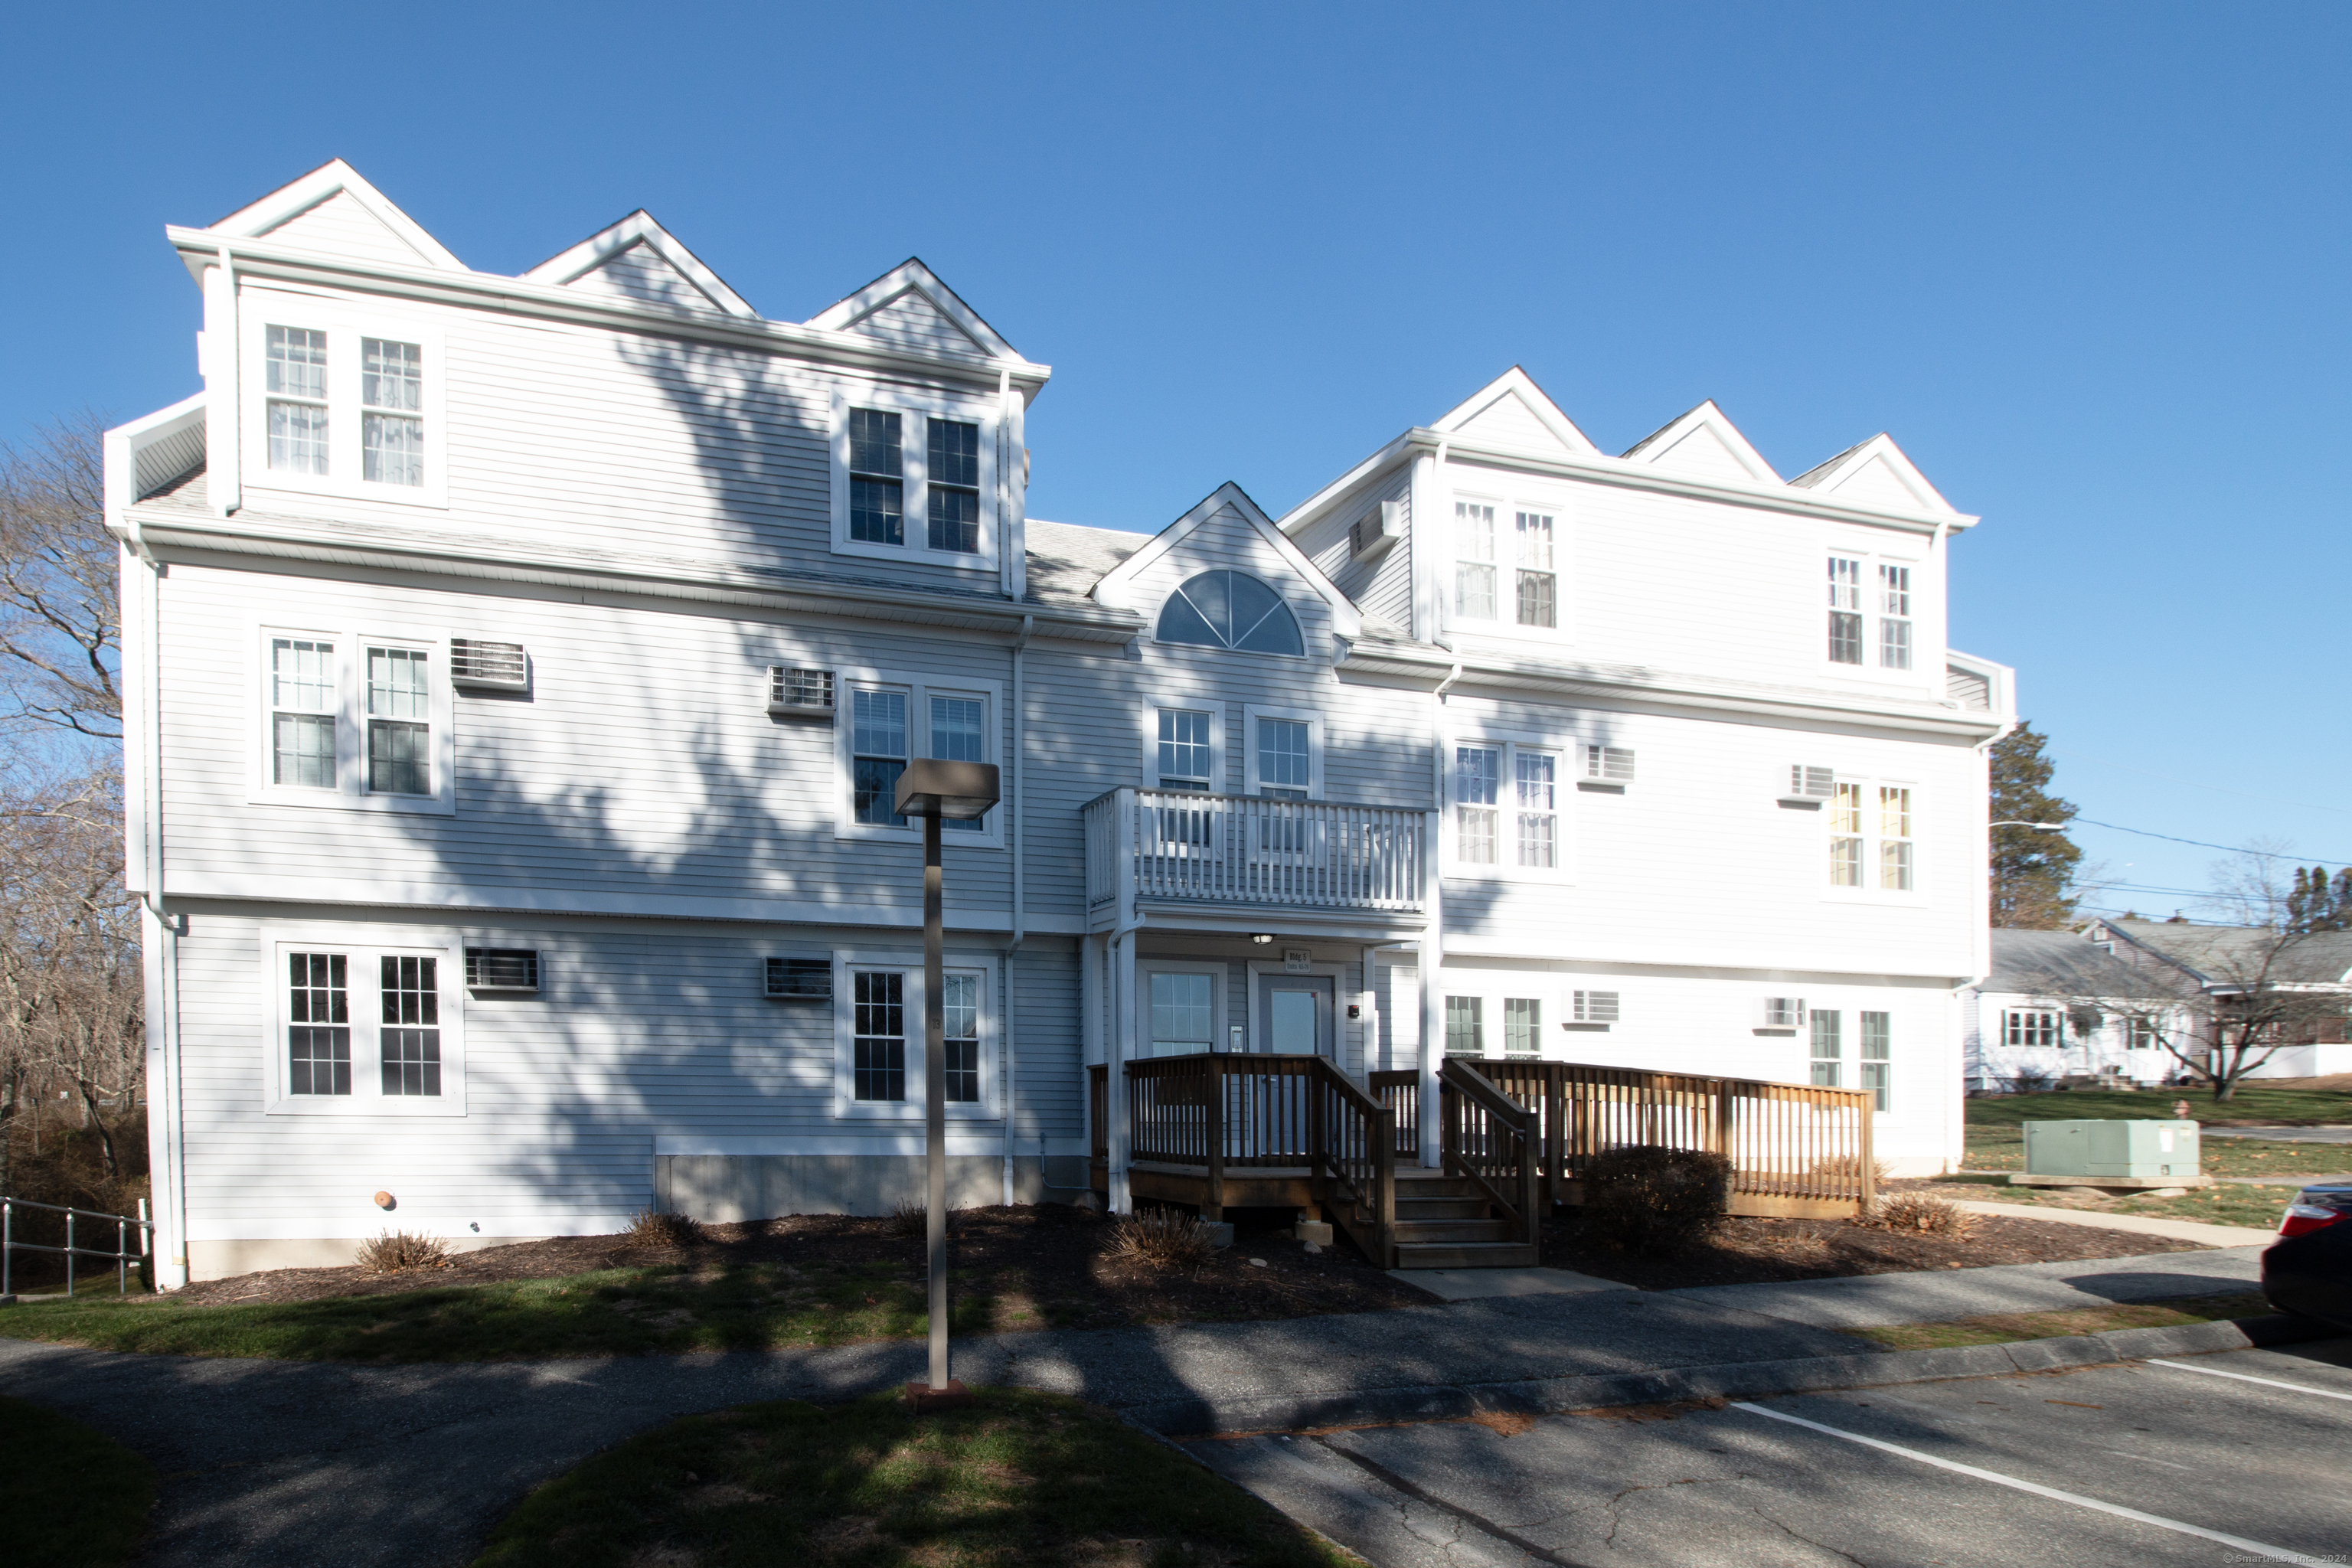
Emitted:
<point x="1441" y="1222"/>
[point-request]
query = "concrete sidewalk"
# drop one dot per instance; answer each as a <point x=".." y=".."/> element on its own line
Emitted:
<point x="294" y="1462"/>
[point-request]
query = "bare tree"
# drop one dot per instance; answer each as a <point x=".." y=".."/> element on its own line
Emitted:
<point x="61" y="618"/>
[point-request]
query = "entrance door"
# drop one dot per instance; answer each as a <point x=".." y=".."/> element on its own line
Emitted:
<point x="1294" y="1014"/>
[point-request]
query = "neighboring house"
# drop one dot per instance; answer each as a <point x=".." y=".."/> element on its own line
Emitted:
<point x="518" y="670"/>
<point x="2057" y="1006"/>
<point x="2303" y="983"/>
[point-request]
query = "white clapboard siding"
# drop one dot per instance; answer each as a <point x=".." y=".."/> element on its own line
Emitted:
<point x="340" y="225"/>
<point x="912" y="321"/>
<point x="640" y="273"/>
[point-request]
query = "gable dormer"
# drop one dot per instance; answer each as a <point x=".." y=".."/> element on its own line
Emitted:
<point x="1513" y="411"/>
<point x="333" y="210"/>
<point x="639" y="260"/>
<point x="1227" y="533"/>
<point x="908" y="307"/>
<point x="1705" y="444"/>
<point x="1876" y="474"/>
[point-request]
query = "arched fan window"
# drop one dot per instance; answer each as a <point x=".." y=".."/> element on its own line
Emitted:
<point x="1230" y="609"/>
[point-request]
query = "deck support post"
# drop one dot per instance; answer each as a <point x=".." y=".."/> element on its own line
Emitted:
<point x="1121" y="1095"/>
<point x="1555" y="1136"/>
<point x="1213" y="1201"/>
<point x="1384" y="1196"/>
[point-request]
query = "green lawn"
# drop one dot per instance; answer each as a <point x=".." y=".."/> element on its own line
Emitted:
<point x="2256" y="1208"/>
<point x="2254" y="1103"/>
<point x="2007" y="1328"/>
<point x="611" y="1311"/>
<point x="2000" y="1146"/>
<point x="68" y="1497"/>
<point x="1015" y="1477"/>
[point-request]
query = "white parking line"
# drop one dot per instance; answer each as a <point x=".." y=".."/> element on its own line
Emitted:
<point x="2242" y="1377"/>
<point x="2277" y="1554"/>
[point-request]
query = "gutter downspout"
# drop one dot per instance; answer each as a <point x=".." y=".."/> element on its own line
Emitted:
<point x="1020" y="934"/>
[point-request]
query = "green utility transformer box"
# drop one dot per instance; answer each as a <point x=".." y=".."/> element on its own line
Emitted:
<point x="2111" y="1149"/>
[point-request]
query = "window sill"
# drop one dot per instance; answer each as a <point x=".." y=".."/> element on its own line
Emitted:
<point x="344" y="1105"/>
<point x="964" y="560"/>
<point x="913" y="835"/>
<point x="337" y="799"/>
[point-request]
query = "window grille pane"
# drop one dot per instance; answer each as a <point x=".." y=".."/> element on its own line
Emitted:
<point x="1537" y="591"/>
<point x="1474" y="592"/>
<point x="1845" y="583"/>
<point x="397" y="683"/>
<point x="954" y="519"/>
<point x="954" y="453"/>
<point x="410" y="989"/>
<point x="298" y="437"/>
<point x="1477" y="774"/>
<point x="1845" y="638"/>
<point x="1466" y="1027"/>
<point x="296" y="362"/>
<point x="410" y="1044"/>
<point x="1894" y="867"/>
<point x="318" y="1032"/>
<point x="1877" y="1037"/>
<point x="1894" y="645"/>
<point x="1596" y="1006"/>
<point x="1845" y="809"/>
<point x="1522" y="1025"/>
<point x="876" y="512"/>
<point x="1826" y="1048"/>
<point x="1894" y="812"/>
<point x="960" y="1067"/>
<point x="392" y="449"/>
<point x="1185" y="747"/>
<point x="1874" y="1077"/>
<point x="302" y="751"/>
<point x="302" y="674"/>
<point x="874" y="443"/>
<point x="1534" y="541"/>
<point x="959" y="1015"/>
<point x="879" y="747"/>
<point x="1473" y="531"/>
<point x="1473" y="553"/>
<point x="1535" y="782"/>
<point x="399" y="758"/>
<point x="1182" y="1020"/>
<point x="1538" y="820"/>
<point x="392" y="376"/>
<point x="1846" y="862"/>
<point x="956" y="735"/>
<point x="1893" y="590"/>
<point x="1283" y="758"/>
<point x="879" y="1039"/>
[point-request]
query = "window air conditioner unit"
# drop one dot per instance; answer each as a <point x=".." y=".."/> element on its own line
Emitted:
<point x="1782" y="1015"/>
<point x="800" y="979"/>
<point x="1608" y="769"/>
<point x="1808" y="787"/>
<point x="1595" y="1006"/>
<point x="1375" y="531"/>
<point x="502" y="968"/>
<point x="800" y="694"/>
<point x="476" y="666"/>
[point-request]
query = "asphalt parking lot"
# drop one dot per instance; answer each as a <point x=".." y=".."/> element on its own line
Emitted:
<point x="2145" y="1464"/>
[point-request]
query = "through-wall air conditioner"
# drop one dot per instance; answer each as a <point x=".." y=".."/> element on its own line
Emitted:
<point x="800" y="694"/>
<point x="1809" y="787"/>
<point x="478" y="665"/>
<point x="1608" y="769"/>
<point x="1376" y="530"/>
<point x="1780" y="1015"/>
<point x="800" y="979"/>
<point x="513" y="969"/>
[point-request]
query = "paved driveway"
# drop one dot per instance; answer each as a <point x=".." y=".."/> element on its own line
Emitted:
<point x="2145" y="1466"/>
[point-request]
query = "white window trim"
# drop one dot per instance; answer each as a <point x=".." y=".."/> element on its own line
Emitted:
<point x="350" y="792"/>
<point x="916" y="457"/>
<point x="1923" y="661"/>
<point x="259" y="310"/>
<point x="847" y="1106"/>
<point x="1506" y="627"/>
<point x="365" y="944"/>
<point x="920" y="690"/>
<point x="1870" y="892"/>
<point x="1311" y="717"/>
<point x="1147" y="718"/>
<point x="1220" y="1009"/>
<point x="1568" y="754"/>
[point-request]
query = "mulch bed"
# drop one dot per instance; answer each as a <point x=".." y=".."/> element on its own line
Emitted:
<point x="1049" y="1255"/>
<point x="1762" y="1251"/>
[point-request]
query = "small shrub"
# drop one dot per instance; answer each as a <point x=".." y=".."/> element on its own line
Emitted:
<point x="666" y="1231"/>
<point x="1649" y="1198"/>
<point x="2030" y="1080"/>
<point x="1159" y="1238"/>
<point x="1850" y="1166"/>
<point x="399" y="1251"/>
<point x="908" y="1218"/>
<point x="1920" y="1215"/>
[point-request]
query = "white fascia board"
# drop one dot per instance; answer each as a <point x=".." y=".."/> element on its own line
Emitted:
<point x="123" y="444"/>
<point x="322" y="184"/>
<point x="1346" y="621"/>
<point x="487" y="292"/>
<point x="296" y="539"/>
<point x="1344" y="490"/>
<point x="1646" y="686"/>
<point x="639" y="229"/>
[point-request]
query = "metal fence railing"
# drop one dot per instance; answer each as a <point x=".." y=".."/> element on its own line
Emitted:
<point x="122" y="1255"/>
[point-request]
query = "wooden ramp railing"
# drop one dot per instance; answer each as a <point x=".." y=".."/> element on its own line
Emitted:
<point x="1795" y="1149"/>
<point x="1495" y="1143"/>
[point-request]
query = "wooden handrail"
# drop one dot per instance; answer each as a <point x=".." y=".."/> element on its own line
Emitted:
<point x="1472" y="1111"/>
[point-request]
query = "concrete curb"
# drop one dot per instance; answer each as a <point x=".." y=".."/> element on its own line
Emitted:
<point x="1745" y="1379"/>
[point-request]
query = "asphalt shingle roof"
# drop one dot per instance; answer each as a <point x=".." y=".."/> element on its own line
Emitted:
<point x="2059" y="963"/>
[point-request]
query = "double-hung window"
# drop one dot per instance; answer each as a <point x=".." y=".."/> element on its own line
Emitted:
<point x="2033" y="1028"/>
<point x="884" y="722"/>
<point x="338" y="400"/>
<point x="878" y="1041"/>
<point x="879" y="1071"/>
<point x="1465" y="1026"/>
<point x="1872" y="842"/>
<point x="352" y="722"/>
<point x="959" y="1015"/>
<point x="303" y="698"/>
<point x="1506" y="571"/>
<point x="399" y="722"/>
<point x="959" y="735"/>
<point x="1284" y="759"/>
<point x="1506" y="807"/>
<point x="1187" y="754"/>
<point x="1864" y="591"/>
<point x="1829" y="1046"/>
<point x="392" y="404"/>
<point x="295" y="376"/>
<point x="910" y="477"/>
<point x="360" y="1025"/>
<point x="1522" y="1025"/>
<point x="1183" y="1013"/>
<point x="1894" y="615"/>
<point x="1538" y="584"/>
<point x="1845" y="610"/>
<point x="1894" y="847"/>
<point x="878" y="755"/>
<point x="1475" y="571"/>
<point x="1877" y="1045"/>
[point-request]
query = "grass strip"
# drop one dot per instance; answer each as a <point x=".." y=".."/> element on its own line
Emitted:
<point x="2254" y="1103"/>
<point x="2000" y="1146"/>
<point x="1015" y="1478"/>
<point x="2250" y="1208"/>
<point x="613" y="1311"/>
<point x="2007" y="1328"/>
<point x="70" y="1498"/>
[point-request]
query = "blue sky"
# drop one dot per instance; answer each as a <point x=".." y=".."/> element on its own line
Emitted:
<point x="2087" y="263"/>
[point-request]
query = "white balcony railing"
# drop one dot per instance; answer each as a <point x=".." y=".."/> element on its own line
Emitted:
<point x="1241" y="849"/>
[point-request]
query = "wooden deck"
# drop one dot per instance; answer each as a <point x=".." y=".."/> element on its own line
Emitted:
<point x="1516" y="1138"/>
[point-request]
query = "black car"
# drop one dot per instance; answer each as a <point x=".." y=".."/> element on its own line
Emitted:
<point x="2308" y="1269"/>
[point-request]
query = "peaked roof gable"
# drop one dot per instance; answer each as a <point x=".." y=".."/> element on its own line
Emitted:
<point x="333" y="208"/>
<point x="639" y="258"/>
<point x="1875" y="473"/>
<point x="1116" y="587"/>
<point x="909" y="307"/>
<point x="1706" y="443"/>
<point x="1512" y="411"/>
